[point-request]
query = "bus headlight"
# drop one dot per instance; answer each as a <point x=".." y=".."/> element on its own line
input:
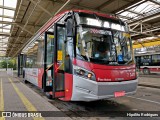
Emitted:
<point x="81" y="72"/>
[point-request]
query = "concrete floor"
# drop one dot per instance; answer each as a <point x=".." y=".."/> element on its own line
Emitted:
<point x="15" y="96"/>
<point x="152" y="80"/>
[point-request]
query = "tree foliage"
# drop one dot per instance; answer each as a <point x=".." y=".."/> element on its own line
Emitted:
<point x="11" y="63"/>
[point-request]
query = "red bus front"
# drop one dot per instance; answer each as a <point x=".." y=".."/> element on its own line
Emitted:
<point x="103" y="66"/>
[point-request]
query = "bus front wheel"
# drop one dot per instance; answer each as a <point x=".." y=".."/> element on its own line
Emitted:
<point x="146" y="71"/>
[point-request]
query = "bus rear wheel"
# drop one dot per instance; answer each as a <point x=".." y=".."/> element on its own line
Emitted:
<point x="48" y="95"/>
<point x="146" y="71"/>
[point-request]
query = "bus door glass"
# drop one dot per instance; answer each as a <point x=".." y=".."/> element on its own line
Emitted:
<point x="21" y="63"/>
<point x="48" y="62"/>
<point x="58" y="88"/>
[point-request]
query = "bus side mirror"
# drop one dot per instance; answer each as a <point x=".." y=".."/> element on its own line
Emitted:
<point x="69" y="28"/>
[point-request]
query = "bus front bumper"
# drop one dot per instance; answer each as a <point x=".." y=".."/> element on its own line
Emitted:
<point x="88" y="90"/>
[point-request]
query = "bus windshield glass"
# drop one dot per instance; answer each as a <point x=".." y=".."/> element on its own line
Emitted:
<point x="103" y="46"/>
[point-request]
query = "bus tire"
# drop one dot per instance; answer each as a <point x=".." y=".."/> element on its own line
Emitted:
<point x="23" y="74"/>
<point x="146" y="71"/>
<point x="24" y="79"/>
<point x="48" y="95"/>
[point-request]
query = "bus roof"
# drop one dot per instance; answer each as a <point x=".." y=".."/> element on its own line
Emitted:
<point x="61" y="14"/>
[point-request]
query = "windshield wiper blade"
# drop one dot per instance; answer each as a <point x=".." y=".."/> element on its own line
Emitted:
<point x="83" y="45"/>
<point x="81" y="56"/>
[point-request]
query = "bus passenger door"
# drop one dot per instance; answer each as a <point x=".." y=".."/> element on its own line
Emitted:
<point x="48" y="76"/>
<point x="58" y="83"/>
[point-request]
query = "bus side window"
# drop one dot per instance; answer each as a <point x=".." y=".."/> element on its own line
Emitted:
<point x="155" y="59"/>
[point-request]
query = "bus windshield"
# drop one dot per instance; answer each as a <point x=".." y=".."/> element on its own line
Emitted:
<point x="103" y="46"/>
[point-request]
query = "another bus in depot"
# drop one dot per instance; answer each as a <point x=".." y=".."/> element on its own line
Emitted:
<point x="148" y="63"/>
<point x="81" y="55"/>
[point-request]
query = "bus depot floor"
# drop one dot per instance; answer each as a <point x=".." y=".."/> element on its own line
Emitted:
<point x="17" y="96"/>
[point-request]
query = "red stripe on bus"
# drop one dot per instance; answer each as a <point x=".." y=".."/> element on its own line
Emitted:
<point x="40" y="74"/>
<point x="68" y="87"/>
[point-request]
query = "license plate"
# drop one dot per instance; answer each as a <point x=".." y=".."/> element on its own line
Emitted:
<point x="119" y="94"/>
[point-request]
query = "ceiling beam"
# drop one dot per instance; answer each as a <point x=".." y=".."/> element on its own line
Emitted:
<point x="135" y="12"/>
<point x="4" y="25"/>
<point x="125" y="17"/>
<point x="5" y="16"/>
<point x="25" y="29"/>
<point x="77" y="6"/>
<point x="29" y="40"/>
<point x="18" y="23"/>
<point x="4" y="28"/>
<point x="105" y="4"/>
<point x="145" y="19"/>
<point x="5" y="34"/>
<point x="125" y="7"/>
<point x="147" y="31"/>
<point x="8" y="8"/>
<point x="156" y="2"/>
<point x="42" y="8"/>
<point x="26" y="23"/>
<point x="12" y="37"/>
<point x="3" y="42"/>
<point x="3" y="47"/>
<point x="147" y="43"/>
<point x="41" y="15"/>
<point x="62" y="7"/>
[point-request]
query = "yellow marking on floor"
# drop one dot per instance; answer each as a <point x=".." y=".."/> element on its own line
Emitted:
<point x="2" y="100"/>
<point x="25" y="101"/>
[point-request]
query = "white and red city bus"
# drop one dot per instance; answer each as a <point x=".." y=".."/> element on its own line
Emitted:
<point x="82" y="55"/>
<point x="148" y="62"/>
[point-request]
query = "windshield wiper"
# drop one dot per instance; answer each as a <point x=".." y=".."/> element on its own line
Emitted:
<point x="83" y="43"/>
<point x="81" y="57"/>
<point x="129" y="61"/>
<point x="122" y="41"/>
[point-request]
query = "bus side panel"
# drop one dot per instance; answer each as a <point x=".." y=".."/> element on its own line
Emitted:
<point x="31" y="75"/>
<point x="40" y="75"/>
<point x="152" y="69"/>
<point x="155" y="70"/>
<point x="68" y="87"/>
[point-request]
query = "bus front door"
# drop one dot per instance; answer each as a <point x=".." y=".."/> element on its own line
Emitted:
<point x="58" y="83"/>
<point x="53" y="81"/>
